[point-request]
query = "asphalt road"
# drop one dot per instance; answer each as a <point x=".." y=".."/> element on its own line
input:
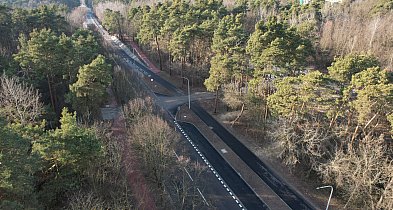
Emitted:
<point x="230" y="176"/>
<point x="147" y="72"/>
<point x="289" y="196"/>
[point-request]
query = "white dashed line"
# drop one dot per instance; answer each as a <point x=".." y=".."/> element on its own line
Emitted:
<point x="210" y="166"/>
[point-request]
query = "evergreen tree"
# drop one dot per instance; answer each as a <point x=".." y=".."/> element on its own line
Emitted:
<point x="113" y="22"/>
<point x="85" y="48"/>
<point x="6" y="35"/>
<point x="229" y="49"/>
<point x="88" y="93"/>
<point x="150" y="31"/>
<point x="18" y="165"/>
<point x="343" y="68"/>
<point x="275" y="48"/>
<point x="41" y="58"/>
<point x="69" y="152"/>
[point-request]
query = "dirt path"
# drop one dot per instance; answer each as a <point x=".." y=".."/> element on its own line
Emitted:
<point x="136" y="180"/>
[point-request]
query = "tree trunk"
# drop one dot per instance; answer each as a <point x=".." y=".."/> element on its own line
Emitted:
<point x="238" y="117"/>
<point x="373" y="33"/>
<point x="50" y="93"/>
<point x="333" y="121"/>
<point x="170" y="64"/>
<point x="119" y="30"/>
<point x="354" y="135"/>
<point x="216" y="101"/>
<point x="159" y="53"/>
<point x="266" y="113"/>
<point x="55" y="100"/>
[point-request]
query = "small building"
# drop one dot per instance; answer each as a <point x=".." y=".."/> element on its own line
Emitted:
<point x="304" y="1"/>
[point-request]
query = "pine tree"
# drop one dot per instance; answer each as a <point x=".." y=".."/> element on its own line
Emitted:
<point x="228" y="47"/>
<point x="343" y="68"/>
<point x="89" y="91"/>
<point x="41" y="58"/>
<point x="113" y="22"/>
<point x="150" y="31"/>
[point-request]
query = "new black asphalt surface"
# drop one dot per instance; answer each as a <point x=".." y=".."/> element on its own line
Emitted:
<point x="230" y="176"/>
<point x="147" y="72"/>
<point x="289" y="196"/>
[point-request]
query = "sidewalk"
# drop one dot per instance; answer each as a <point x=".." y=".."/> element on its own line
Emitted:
<point x="141" y="55"/>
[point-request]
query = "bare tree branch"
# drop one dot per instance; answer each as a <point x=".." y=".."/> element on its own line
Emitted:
<point x="19" y="102"/>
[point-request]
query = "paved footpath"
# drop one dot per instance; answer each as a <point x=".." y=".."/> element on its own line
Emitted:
<point x="142" y="55"/>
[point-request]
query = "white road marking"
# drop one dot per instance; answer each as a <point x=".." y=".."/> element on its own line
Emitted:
<point x="203" y="197"/>
<point x="210" y="166"/>
<point x="189" y="175"/>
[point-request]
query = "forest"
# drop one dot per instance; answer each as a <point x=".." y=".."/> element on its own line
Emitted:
<point x="315" y="79"/>
<point x="55" y="149"/>
<point x="35" y="3"/>
<point x="47" y="152"/>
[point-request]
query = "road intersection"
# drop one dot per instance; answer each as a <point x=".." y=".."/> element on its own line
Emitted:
<point x="241" y="191"/>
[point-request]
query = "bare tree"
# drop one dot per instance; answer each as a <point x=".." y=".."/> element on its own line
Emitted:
<point x="155" y="140"/>
<point x="344" y="23"/>
<point x="19" y="102"/>
<point x="77" y="16"/>
<point x="363" y="173"/>
<point x="138" y="108"/>
<point x="125" y="85"/>
<point x="185" y="191"/>
<point x="114" y="6"/>
<point x="308" y="143"/>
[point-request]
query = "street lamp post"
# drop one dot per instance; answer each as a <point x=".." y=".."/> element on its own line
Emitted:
<point x="331" y="193"/>
<point x="189" y="96"/>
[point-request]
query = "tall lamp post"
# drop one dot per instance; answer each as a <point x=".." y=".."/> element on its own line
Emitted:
<point x="189" y="96"/>
<point x="331" y="193"/>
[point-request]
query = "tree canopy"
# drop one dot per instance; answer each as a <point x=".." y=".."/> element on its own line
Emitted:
<point x="90" y="89"/>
